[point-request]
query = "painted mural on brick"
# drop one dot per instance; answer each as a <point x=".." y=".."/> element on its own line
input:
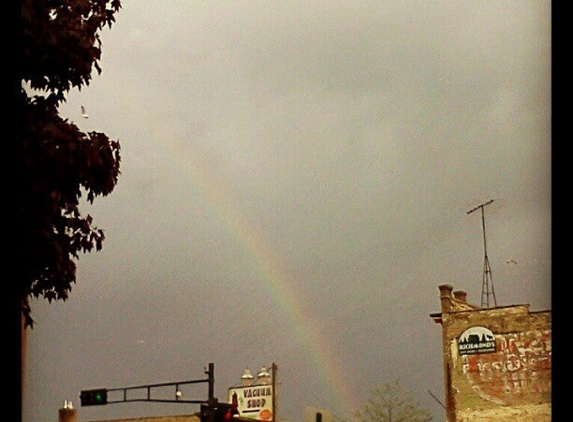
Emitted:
<point x="518" y="371"/>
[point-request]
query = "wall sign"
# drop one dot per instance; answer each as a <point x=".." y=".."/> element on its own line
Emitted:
<point x="476" y="340"/>
<point x="254" y="402"/>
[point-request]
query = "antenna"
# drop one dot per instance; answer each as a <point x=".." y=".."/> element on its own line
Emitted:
<point x="487" y="281"/>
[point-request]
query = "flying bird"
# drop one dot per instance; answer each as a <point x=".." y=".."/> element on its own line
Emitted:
<point x="84" y="114"/>
<point x="510" y="261"/>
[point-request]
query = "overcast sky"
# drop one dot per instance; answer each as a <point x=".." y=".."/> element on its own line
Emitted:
<point x="295" y="184"/>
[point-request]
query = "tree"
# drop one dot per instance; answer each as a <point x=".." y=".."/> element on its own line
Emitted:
<point x="391" y="403"/>
<point x="55" y="162"/>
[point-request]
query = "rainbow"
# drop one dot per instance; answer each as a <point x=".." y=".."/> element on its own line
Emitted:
<point x="269" y="266"/>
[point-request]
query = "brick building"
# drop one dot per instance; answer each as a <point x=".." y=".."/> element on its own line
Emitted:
<point x="497" y="361"/>
<point x="179" y="418"/>
<point x="71" y="415"/>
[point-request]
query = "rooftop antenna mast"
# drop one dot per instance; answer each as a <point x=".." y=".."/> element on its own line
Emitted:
<point x="487" y="281"/>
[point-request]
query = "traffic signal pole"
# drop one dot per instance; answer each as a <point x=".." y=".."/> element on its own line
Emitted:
<point x="211" y="382"/>
<point x="100" y="396"/>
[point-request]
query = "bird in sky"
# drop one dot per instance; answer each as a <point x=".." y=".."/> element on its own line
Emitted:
<point x="84" y="114"/>
<point x="510" y="261"/>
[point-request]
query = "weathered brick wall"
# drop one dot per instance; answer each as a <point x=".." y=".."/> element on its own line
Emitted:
<point x="525" y="413"/>
<point x="510" y="378"/>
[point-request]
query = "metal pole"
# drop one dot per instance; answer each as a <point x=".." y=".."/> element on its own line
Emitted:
<point x="147" y="388"/>
<point x="274" y="381"/>
<point x="211" y="381"/>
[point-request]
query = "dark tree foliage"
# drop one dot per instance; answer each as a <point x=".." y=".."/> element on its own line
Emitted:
<point x="56" y="162"/>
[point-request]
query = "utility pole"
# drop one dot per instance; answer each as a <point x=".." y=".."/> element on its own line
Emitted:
<point x="274" y="384"/>
<point x="487" y="281"/>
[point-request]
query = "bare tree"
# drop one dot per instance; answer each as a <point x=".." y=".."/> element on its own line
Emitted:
<point x="391" y="403"/>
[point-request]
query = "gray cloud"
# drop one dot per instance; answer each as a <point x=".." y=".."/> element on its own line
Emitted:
<point x="295" y="183"/>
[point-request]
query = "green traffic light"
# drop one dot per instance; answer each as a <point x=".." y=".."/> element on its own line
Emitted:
<point x="94" y="397"/>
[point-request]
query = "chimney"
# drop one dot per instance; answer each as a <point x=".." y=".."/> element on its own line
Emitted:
<point x="445" y="297"/>
<point x="67" y="413"/>
<point x="460" y="295"/>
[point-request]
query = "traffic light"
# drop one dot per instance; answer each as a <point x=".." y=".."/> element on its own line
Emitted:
<point x="226" y="412"/>
<point x="94" y="397"/>
<point x="207" y="413"/>
<point x="218" y="412"/>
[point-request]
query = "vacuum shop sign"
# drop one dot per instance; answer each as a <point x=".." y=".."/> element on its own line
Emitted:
<point x="476" y="340"/>
<point x="254" y="402"/>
